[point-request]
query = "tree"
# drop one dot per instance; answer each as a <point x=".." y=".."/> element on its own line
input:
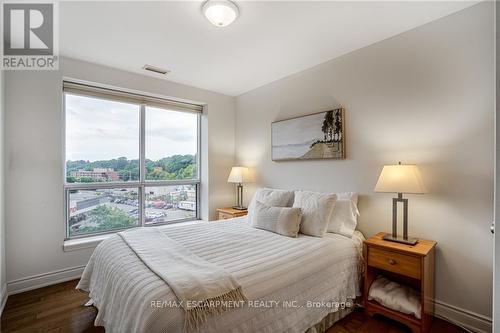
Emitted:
<point x="324" y="127"/>
<point x="87" y="180"/>
<point x="104" y="218"/>
<point x="121" y="163"/>
<point x="338" y="126"/>
<point x="188" y="172"/>
<point x="327" y="126"/>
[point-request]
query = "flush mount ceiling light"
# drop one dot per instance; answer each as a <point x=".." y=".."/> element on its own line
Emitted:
<point x="220" y="12"/>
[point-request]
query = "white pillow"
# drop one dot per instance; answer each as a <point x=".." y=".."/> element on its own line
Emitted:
<point x="316" y="211"/>
<point x="281" y="220"/>
<point x="395" y="296"/>
<point x="270" y="197"/>
<point x="345" y="214"/>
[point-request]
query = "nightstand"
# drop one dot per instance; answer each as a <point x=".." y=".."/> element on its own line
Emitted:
<point x="405" y="264"/>
<point x="229" y="213"/>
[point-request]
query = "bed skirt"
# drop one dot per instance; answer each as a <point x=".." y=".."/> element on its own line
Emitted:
<point x="329" y="320"/>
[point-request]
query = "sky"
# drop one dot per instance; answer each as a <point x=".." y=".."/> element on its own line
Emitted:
<point x="102" y="130"/>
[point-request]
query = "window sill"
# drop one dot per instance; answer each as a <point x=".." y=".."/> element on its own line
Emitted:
<point x="83" y="243"/>
<point x="92" y="241"/>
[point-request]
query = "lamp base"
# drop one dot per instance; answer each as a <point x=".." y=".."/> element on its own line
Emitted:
<point x="398" y="239"/>
<point x="239" y="207"/>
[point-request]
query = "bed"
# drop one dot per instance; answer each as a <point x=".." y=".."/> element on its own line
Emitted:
<point x="292" y="284"/>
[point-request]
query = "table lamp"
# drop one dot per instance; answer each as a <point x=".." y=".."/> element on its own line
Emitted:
<point x="400" y="179"/>
<point x="239" y="175"/>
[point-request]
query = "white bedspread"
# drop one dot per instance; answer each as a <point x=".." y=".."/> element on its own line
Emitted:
<point x="311" y="273"/>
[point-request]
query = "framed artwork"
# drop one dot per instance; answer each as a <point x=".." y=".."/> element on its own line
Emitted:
<point x="316" y="136"/>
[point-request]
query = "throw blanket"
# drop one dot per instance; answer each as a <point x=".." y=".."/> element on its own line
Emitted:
<point x="201" y="287"/>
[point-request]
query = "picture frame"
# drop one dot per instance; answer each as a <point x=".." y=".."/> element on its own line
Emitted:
<point x="315" y="136"/>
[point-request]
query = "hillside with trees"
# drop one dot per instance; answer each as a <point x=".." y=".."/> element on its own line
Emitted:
<point x="168" y="168"/>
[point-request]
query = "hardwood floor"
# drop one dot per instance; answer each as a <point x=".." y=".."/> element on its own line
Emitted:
<point x="359" y="322"/>
<point x="58" y="308"/>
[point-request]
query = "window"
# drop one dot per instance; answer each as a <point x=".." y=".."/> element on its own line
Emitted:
<point x="130" y="160"/>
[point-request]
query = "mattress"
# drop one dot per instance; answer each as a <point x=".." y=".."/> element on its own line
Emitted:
<point x="291" y="283"/>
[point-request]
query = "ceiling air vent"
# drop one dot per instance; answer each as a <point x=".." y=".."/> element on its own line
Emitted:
<point x="156" y="70"/>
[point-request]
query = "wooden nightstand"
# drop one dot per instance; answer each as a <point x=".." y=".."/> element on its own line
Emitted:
<point x="229" y="213"/>
<point x="405" y="264"/>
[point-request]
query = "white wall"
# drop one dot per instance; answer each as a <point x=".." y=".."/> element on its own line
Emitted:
<point x="34" y="163"/>
<point x="496" y="254"/>
<point x="3" y="276"/>
<point x="424" y="97"/>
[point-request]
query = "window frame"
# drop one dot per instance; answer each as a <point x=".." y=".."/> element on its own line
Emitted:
<point x="142" y="183"/>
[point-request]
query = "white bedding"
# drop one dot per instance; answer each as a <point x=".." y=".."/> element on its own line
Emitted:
<point x="269" y="267"/>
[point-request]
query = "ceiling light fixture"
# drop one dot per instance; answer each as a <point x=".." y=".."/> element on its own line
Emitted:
<point x="220" y="13"/>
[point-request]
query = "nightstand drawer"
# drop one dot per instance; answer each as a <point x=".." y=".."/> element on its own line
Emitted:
<point x="225" y="216"/>
<point x="394" y="262"/>
<point x="229" y="213"/>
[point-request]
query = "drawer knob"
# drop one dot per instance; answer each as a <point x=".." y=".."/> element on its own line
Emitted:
<point x="392" y="262"/>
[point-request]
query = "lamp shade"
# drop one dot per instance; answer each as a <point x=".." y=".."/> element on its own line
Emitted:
<point x="239" y="175"/>
<point x="400" y="179"/>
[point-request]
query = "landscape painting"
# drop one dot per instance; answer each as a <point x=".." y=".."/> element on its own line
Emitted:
<point x="316" y="136"/>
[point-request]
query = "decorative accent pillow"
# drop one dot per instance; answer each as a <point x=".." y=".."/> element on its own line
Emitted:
<point x="345" y="214"/>
<point x="281" y="220"/>
<point x="270" y="197"/>
<point x="316" y="211"/>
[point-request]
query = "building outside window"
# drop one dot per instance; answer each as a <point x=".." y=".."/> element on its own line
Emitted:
<point x="130" y="160"/>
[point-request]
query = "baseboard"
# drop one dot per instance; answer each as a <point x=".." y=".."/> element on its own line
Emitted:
<point x="468" y="319"/>
<point x="3" y="297"/>
<point x="44" y="280"/>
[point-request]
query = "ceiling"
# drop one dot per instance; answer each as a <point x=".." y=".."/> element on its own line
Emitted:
<point x="269" y="40"/>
